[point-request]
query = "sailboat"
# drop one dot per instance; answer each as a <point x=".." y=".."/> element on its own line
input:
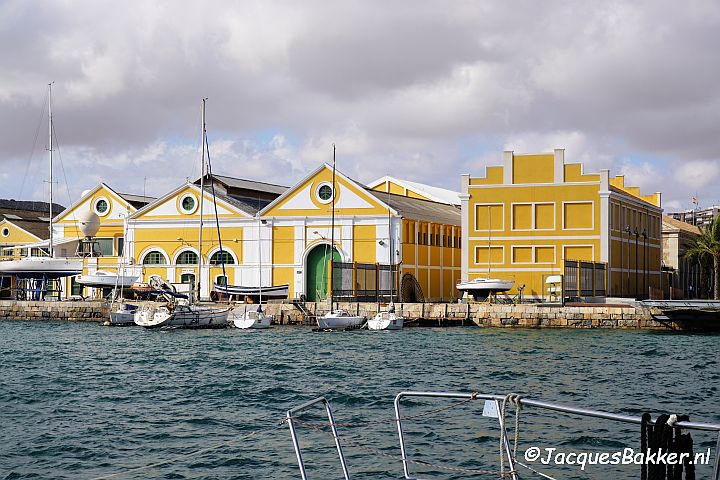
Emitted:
<point x="388" y="320"/>
<point x="485" y="288"/>
<point x="38" y="271"/>
<point x="178" y="312"/>
<point x="337" y="319"/>
<point x="255" y="319"/>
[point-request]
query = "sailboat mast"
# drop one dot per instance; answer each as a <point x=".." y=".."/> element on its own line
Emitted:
<point x="202" y="197"/>
<point x="50" y="150"/>
<point x="260" y="263"/>
<point x="392" y="252"/>
<point x="332" y="232"/>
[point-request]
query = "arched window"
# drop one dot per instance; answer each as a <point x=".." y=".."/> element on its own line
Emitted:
<point x="219" y="258"/>
<point x="187" y="258"/>
<point x="154" y="258"/>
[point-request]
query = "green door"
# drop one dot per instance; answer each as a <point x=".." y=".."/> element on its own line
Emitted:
<point x="316" y="272"/>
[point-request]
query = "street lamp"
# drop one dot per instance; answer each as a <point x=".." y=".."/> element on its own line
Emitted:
<point x="627" y="230"/>
<point x="645" y="270"/>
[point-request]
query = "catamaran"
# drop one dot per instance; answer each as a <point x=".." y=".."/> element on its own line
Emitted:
<point x="179" y="312"/>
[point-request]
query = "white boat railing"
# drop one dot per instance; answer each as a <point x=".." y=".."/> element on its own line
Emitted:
<point x="493" y="401"/>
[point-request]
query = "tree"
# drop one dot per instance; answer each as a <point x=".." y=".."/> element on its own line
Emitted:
<point x="705" y="249"/>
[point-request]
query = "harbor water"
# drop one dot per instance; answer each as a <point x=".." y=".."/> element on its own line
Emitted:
<point x="85" y="402"/>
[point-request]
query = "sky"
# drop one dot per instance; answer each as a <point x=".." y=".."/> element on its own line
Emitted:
<point x="420" y="90"/>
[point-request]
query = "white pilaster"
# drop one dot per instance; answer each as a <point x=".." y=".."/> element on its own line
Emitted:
<point x="559" y="165"/>
<point x="508" y="167"/>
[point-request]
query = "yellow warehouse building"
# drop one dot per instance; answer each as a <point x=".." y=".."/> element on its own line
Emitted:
<point x="535" y="215"/>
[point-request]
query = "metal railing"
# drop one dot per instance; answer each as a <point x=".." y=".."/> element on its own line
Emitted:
<point x="496" y="401"/>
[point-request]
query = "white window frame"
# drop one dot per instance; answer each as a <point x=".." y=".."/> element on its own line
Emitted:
<point x="533" y="216"/>
<point x="592" y="214"/>
<point x="475" y="223"/>
<point x="476" y="247"/>
<point x="95" y="209"/>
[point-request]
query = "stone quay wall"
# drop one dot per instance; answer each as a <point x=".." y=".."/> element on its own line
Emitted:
<point x="72" y="311"/>
<point x="416" y="314"/>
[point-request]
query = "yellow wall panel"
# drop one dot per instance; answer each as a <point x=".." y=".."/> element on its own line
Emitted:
<point x="481" y="255"/>
<point x="522" y="254"/>
<point x="545" y="254"/>
<point x="283" y="245"/>
<point x="578" y="253"/>
<point x="533" y="169"/>
<point x="364" y="241"/>
<point x="545" y="216"/>
<point x="522" y="216"/>
<point x="282" y="276"/>
<point x="489" y="215"/>
<point x="578" y="215"/>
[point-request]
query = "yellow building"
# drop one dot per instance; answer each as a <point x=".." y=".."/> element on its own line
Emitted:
<point x="535" y="215"/>
<point x="424" y="236"/>
<point x="113" y="209"/>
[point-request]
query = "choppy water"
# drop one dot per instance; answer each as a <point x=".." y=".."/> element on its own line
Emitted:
<point x="81" y="401"/>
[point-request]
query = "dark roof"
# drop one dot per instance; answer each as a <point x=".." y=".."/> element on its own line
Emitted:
<point x="418" y="209"/>
<point x="248" y="205"/>
<point x="137" y="201"/>
<point x="248" y="184"/>
<point x="37" y="228"/>
<point x="31" y="207"/>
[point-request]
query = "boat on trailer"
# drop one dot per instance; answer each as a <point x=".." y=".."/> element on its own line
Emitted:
<point x="481" y="288"/>
<point x="663" y="433"/>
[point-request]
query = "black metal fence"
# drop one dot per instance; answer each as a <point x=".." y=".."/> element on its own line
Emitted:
<point x="364" y="282"/>
<point x="585" y="279"/>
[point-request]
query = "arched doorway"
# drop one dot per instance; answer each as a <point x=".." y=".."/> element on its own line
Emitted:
<point x="316" y="272"/>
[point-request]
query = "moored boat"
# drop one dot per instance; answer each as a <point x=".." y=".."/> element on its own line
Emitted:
<point x="481" y="288"/>
<point x="340" y="320"/>
<point x="251" y="319"/>
<point x="386" y="320"/>
<point x="105" y="279"/>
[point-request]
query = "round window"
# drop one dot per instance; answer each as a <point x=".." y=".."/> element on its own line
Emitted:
<point x="102" y="206"/>
<point x="324" y="192"/>
<point x="188" y="203"/>
<point x="5" y="232"/>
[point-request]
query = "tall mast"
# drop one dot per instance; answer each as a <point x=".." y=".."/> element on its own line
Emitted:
<point x="332" y="232"/>
<point x="391" y="308"/>
<point x="260" y="263"/>
<point x="50" y="150"/>
<point x="202" y="197"/>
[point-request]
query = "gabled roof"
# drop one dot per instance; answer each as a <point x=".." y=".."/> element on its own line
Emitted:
<point x="292" y="190"/>
<point x="680" y="225"/>
<point x="238" y="205"/>
<point x="37" y="229"/>
<point x="129" y="198"/>
<point x="436" y="194"/>
<point x="418" y="209"/>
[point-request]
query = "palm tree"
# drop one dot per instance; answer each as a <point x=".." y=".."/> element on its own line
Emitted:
<point x="706" y="247"/>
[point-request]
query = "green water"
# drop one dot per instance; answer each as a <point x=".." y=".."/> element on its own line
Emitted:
<point x="82" y="401"/>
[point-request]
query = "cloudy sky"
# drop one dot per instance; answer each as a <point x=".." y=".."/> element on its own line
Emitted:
<point x="417" y="89"/>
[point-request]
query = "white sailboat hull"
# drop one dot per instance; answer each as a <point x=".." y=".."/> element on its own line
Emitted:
<point x="252" y="319"/>
<point x="122" y="317"/>
<point x="486" y="284"/>
<point x="339" y="320"/>
<point x="39" y="266"/>
<point x="386" y="321"/>
<point x="182" y="316"/>
<point x="103" y="279"/>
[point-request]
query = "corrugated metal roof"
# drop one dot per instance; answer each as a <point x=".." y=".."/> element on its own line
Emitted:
<point x="417" y="209"/>
<point x="249" y="184"/>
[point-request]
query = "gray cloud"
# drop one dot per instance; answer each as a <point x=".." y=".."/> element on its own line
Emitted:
<point x="422" y="90"/>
